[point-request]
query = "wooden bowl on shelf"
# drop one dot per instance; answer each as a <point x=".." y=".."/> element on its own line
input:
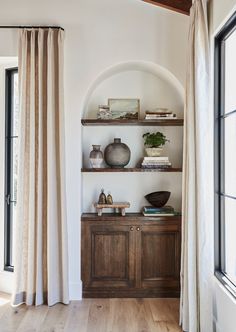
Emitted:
<point x="158" y="198"/>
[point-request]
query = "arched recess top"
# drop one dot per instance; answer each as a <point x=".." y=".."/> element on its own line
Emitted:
<point x="145" y="66"/>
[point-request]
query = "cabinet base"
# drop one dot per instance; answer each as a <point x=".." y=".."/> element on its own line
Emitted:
<point x="130" y="294"/>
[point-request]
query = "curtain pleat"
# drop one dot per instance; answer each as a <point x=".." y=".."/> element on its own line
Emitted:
<point x="41" y="255"/>
<point x="197" y="235"/>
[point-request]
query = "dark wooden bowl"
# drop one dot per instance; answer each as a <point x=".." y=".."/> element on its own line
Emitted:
<point x="158" y="198"/>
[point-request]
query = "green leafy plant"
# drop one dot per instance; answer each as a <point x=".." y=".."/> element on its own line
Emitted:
<point x="154" y="140"/>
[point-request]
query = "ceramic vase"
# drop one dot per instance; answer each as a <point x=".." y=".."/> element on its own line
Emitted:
<point x="117" y="154"/>
<point x="96" y="157"/>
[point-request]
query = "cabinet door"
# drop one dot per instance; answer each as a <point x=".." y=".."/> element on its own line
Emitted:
<point x="158" y="258"/>
<point x="108" y="256"/>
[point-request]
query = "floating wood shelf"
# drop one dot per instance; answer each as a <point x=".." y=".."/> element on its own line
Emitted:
<point x="135" y="169"/>
<point x="131" y="122"/>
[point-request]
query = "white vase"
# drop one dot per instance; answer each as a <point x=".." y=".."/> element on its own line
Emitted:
<point x="153" y="152"/>
<point x="96" y="157"/>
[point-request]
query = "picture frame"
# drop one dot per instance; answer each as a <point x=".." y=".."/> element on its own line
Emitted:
<point x="124" y="108"/>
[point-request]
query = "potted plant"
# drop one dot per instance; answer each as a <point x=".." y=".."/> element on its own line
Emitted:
<point x="153" y="143"/>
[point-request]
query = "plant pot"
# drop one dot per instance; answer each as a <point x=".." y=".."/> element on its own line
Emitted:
<point x="153" y="152"/>
<point x="117" y="154"/>
<point x="96" y="157"/>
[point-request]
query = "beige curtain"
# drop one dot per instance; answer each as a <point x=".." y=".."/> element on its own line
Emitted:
<point x="197" y="243"/>
<point x="41" y="258"/>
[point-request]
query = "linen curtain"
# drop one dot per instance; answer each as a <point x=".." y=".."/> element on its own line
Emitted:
<point x="41" y="257"/>
<point x="197" y="244"/>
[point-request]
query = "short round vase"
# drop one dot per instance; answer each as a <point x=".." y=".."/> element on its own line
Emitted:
<point x="153" y="152"/>
<point x="96" y="157"/>
<point x="117" y="154"/>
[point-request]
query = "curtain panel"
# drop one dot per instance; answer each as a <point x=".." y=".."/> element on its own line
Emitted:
<point x="41" y="257"/>
<point x="197" y="235"/>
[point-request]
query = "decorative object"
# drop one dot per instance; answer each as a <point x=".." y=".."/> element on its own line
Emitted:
<point x="117" y="154"/>
<point x="158" y="198"/>
<point x="153" y="152"/>
<point x="104" y="112"/>
<point x="153" y="143"/>
<point x="109" y="199"/>
<point x="165" y="211"/>
<point x="160" y="114"/>
<point x="155" y="162"/>
<point x="124" y="108"/>
<point x="96" y="157"/>
<point x="116" y="206"/>
<point x="102" y="198"/>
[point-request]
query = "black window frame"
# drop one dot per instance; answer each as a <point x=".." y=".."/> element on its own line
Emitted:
<point x="219" y="104"/>
<point x="8" y="226"/>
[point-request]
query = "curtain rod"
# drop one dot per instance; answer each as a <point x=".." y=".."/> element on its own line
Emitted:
<point x="29" y="27"/>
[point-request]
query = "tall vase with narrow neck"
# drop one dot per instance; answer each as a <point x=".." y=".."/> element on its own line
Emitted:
<point x="117" y="154"/>
<point x="96" y="157"/>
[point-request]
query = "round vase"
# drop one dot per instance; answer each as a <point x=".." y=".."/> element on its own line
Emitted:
<point x="117" y="154"/>
<point x="153" y="152"/>
<point x="96" y="157"/>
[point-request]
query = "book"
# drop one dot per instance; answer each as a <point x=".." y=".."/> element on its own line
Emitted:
<point x="165" y="208"/>
<point x="156" y="158"/>
<point x="155" y="166"/>
<point x="158" y="214"/>
<point x="156" y="162"/>
<point x="160" y="115"/>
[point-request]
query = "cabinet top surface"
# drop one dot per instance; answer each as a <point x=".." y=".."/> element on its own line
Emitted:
<point x="129" y="217"/>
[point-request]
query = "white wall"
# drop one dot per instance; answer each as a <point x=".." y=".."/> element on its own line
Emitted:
<point x="99" y="34"/>
<point x="224" y="305"/>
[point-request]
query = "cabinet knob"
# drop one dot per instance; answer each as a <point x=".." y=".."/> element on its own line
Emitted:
<point x="138" y="229"/>
<point x="131" y="228"/>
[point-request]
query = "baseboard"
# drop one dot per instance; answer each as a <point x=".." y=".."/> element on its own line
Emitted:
<point x="75" y="290"/>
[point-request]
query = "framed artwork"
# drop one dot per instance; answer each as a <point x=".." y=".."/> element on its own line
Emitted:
<point x="124" y="108"/>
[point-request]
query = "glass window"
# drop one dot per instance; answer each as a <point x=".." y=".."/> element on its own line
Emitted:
<point x="11" y="162"/>
<point x="225" y="155"/>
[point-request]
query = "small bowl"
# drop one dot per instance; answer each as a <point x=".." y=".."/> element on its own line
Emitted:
<point x="158" y="198"/>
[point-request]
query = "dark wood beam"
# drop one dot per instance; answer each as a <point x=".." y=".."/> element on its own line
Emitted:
<point x="180" y="6"/>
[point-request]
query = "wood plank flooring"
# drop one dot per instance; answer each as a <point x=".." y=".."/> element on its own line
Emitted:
<point x="92" y="315"/>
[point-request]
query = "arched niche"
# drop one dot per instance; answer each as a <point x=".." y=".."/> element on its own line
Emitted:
<point x="153" y="84"/>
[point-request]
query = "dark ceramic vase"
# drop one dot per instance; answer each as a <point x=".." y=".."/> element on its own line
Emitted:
<point x="117" y="154"/>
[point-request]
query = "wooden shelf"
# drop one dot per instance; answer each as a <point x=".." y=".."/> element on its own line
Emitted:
<point x="131" y="170"/>
<point x="131" y="122"/>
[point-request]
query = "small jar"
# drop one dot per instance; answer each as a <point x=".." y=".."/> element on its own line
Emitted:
<point x="96" y="157"/>
<point x="104" y="112"/>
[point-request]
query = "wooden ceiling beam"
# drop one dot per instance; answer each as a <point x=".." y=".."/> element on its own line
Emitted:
<point x="180" y="6"/>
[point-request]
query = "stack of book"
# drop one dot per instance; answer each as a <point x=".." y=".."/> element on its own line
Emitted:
<point x="155" y="162"/>
<point x="165" y="211"/>
<point x="160" y="114"/>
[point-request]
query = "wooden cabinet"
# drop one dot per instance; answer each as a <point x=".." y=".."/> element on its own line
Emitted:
<point x="131" y="256"/>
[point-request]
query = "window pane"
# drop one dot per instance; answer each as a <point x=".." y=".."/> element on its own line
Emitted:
<point x="230" y="73"/>
<point x="230" y="155"/>
<point x="15" y="101"/>
<point x="230" y="241"/>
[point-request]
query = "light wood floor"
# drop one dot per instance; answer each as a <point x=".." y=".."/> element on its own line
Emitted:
<point x="92" y="315"/>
